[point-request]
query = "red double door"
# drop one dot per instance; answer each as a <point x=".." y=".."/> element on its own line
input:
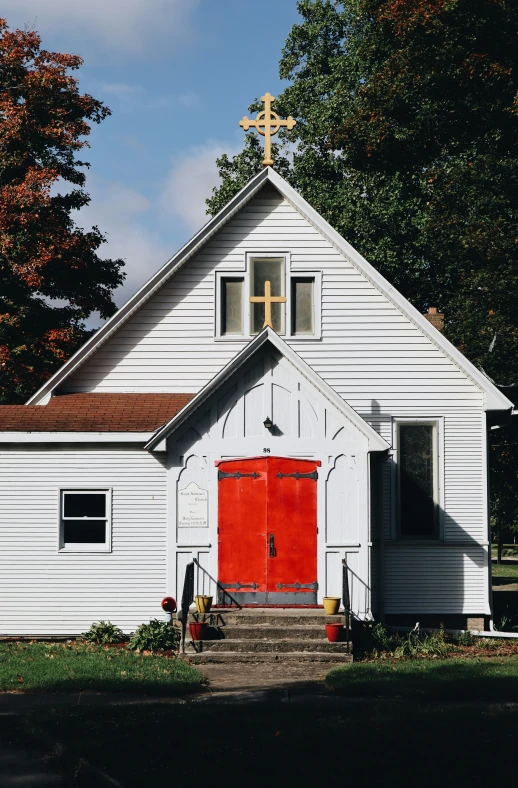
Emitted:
<point x="267" y="530"/>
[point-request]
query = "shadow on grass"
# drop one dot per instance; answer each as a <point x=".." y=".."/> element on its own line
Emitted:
<point x="257" y="745"/>
<point x="490" y="679"/>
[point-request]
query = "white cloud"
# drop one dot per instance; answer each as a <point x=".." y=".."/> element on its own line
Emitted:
<point x="126" y="25"/>
<point x="120" y="213"/>
<point x="191" y="180"/>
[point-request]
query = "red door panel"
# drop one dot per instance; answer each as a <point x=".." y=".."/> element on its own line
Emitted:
<point x="242" y="527"/>
<point x="267" y="530"/>
<point x="292" y="519"/>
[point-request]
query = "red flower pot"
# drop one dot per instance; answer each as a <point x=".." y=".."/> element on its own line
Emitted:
<point x="197" y="629"/>
<point x="334" y="632"/>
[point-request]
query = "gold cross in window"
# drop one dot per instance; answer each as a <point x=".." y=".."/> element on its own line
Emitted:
<point x="267" y="300"/>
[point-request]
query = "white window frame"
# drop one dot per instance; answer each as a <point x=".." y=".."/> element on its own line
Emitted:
<point x="290" y="273"/>
<point x="220" y="275"/>
<point x="78" y="547"/>
<point x="437" y="422"/>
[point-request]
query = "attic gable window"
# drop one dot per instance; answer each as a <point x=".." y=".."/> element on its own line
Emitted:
<point x="85" y="520"/>
<point x="296" y="315"/>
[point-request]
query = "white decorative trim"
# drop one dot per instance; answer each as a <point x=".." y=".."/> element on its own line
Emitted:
<point x="375" y="441"/>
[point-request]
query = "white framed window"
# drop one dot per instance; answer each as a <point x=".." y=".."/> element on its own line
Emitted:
<point x="418" y="482"/>
<point x="297" y="316"/>
<point x="85" y="520"/>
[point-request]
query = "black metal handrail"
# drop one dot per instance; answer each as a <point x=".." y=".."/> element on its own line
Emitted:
<point x="346" y="597"/>
<point x="188" y="596"/>
<point x="187" y="600"/>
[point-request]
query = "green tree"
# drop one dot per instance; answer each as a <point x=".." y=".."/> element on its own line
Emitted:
<point x="407" y="143"/>
<point x="51" y="277"/>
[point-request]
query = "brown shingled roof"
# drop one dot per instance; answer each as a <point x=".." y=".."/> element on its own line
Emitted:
<point x="94" y="413"/>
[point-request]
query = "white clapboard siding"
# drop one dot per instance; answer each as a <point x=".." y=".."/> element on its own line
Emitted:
<point x="43" y="591"/>
<point x="436" y="579"/>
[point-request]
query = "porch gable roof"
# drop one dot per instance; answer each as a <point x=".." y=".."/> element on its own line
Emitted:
<point x="375" y="441"/>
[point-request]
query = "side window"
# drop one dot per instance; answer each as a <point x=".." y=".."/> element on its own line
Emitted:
<point x="417" y="472"/>
<point x="85" y="520"/>
<point x="231" y="306"/>
<point x="302" y="305"/>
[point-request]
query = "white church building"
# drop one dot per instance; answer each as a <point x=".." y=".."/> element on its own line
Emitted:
<point x="267" y="404"/>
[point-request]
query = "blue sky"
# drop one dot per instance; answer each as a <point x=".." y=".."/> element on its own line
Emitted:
<point x="178" y="76"/>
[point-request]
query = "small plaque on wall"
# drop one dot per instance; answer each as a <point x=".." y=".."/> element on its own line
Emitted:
<point x="193" y="508"/>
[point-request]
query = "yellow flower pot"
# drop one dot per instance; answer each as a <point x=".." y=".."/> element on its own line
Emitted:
<point x="203" y="603"/>
<point x="331" y="605"/>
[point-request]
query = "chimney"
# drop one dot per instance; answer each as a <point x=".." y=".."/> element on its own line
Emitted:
<point x="435" y="318"/>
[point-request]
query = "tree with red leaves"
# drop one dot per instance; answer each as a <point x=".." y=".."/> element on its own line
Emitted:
<point x="51" y="277"/>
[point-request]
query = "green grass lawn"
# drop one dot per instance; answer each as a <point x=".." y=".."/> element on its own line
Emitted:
<point x="459" y="679"/>
<point x="71" y="666"/>
<point x="296" y="744"/>
<point x="507" y="572"/>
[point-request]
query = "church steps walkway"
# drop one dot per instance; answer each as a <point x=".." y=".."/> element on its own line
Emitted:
<point x="267" y="635"/>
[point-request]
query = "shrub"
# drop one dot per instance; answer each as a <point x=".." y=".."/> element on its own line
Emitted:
<point x="382" y="640"/>
<point x="104" y="632"/>
<point x="155" y="636"/>
<point x="466" y="639"/>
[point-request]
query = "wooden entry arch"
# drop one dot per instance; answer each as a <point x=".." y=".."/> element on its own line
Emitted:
<point x="267" y="530"/>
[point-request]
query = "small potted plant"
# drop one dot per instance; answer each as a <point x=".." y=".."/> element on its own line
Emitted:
<point x="331" y="605"/>
<point x="203" y="603"/>
<point x="197" y="629"/>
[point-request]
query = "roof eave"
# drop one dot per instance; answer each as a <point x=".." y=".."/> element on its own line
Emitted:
<point x="151" y="286"/>
<point x="493" y="398"/>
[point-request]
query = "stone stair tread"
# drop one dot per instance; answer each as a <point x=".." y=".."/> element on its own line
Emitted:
<point x="272" y="646"/>
<point x="290" y="656"/>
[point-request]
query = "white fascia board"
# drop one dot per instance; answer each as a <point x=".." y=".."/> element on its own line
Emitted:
<point x="150" y="287"/>
<point x="75" y="437"/>
<point x="494" y="399"/>
<point x="375" y="441"/>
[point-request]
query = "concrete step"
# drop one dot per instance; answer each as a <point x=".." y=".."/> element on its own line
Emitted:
<point x="273" y="617"/>
<point x="271" y="646"/>
<point x="222" y="657"/>
<point x="247" y="631"/>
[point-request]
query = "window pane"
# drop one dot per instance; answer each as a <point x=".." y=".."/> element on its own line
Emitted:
<point x="232" y="306"/>
<point x="302" y="306"/>
<point x="84" y="531"/>
<point x="84" y="505"/>
<point x="272" y="271"/>
<point x="416" y="480"/>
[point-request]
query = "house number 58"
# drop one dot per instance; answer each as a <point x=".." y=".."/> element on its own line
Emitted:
<point x="266" y="451"/>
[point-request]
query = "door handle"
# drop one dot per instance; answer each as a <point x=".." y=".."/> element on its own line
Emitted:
<point x="271" y="539"/>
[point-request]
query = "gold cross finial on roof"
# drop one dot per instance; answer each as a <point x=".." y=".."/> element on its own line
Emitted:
<point x="267" y="300"/>
<point x="267" y="124"/>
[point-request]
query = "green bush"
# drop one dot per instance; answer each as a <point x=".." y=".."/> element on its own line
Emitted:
<point x="155" y="636"/>
<point x="382" y="640"/>
<point x="466" y="639"/>
<point x="104" y="632"/>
